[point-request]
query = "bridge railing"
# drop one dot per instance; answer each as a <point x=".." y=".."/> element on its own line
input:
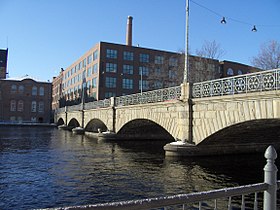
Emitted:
<point x="269" y="189"/>
<point x="259" y="81"/>
<point x="153" y="96"/>
<point x="97" y="104"/>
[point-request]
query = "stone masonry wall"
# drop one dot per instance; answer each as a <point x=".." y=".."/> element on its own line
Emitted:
<point x="212" y="114"/>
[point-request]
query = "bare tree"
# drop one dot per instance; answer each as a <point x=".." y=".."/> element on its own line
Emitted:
<point x="268" y="57"/>
<point x="167" y="73"/>
<point x="210" y="49"/>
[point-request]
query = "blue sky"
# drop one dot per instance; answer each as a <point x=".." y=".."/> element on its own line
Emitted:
<point x="45" y="35"/>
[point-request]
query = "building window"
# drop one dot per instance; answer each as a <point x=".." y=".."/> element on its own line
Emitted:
<point x="158" y="84"/>
<point x="144" y="58"/>
<point x="127" y="69"/>
<point x="13" y="88"/>
<point x="34" y="90"/>
<point x="41" y="91"/>
<point x="89" y="59"/>
<point x="84" y="62"/>
<point x="239" y="72"/>
<point x="95" y="55"/>
<point x="127" y="84"/>
<point x="88" y="85"/>
<point x="145" y="85"/>
<point x="158" y="59"/>
<point x="109" y="94"/>
<point x="19" y="119"/>
<point x="158" y="71"/>
<point x="128" y="56"/>
<point x="230" y="72"/>
<point x="13" y="106"/>
<point x="111" y="67"/>
<point x="111" y="53"/>
<point x="21" y="89"/>
<point x="13" y="118"/>
<point x="94" y="82"/>
<point x="33" y="106"/>
<point x="95" y="68"/>
<point x="111" y="82"/>
<point x="20" y="106"/>
<point x="143" y="70"/>
<point x="41" y="107"/>
<point x="173" y="62"/>
<point x="89" y="72"/>
<point x="172" y="74"/>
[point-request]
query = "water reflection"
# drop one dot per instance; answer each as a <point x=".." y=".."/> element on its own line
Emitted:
<point x="44" y="167"/>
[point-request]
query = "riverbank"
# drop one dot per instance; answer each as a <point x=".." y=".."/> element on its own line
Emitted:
<point x="27" y="124"/>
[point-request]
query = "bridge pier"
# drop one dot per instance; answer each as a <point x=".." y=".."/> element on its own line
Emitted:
<point x="184" y="142"/>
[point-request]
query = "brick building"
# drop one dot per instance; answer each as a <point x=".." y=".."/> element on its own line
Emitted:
<point x="3" y="63"/>
<point x="230" y="68"/>
<point x="109" y="69"/>
<point x="25" y="100"/>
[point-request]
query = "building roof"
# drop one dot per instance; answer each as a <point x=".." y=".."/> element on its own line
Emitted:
<point x="24" y="78"/>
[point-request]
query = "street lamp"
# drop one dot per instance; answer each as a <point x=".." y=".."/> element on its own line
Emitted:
<point x="141" y="78"/>
<point x="186" y="69"/>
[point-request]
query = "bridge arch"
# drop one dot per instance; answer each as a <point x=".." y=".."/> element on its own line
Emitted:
<point x="144" y="129"/>
<point x="94" y="124"/>
<point x="60" y="122"/>
<point x="73" y="123"/>
<point x="260" y="131"/>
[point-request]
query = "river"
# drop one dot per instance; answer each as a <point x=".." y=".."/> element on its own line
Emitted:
<point x="42" y="167"/>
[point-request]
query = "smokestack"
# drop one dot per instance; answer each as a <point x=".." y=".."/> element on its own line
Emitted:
<point x="129" y="31"/>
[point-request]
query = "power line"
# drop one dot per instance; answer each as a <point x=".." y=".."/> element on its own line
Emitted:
<point x="225" y="18"/>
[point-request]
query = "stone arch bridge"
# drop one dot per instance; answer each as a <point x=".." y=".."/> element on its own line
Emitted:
<point x="224" y="112"/>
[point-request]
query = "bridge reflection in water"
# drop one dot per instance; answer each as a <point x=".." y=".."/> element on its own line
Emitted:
<point x="44" y="167"/>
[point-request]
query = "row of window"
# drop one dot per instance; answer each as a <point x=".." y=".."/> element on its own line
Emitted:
<point x="20" y="119"/>
<point x="111" y="82"/>
<point x="19" y="106"/>
<point x="231" y="72"/>
<point x="129" y="69"/>
<point x="89" y="84"/>
<point x="90" y="71"/>
<point x="143" y="57"/>
<point x="82" y="64"/>
<point x="34" y="92"/>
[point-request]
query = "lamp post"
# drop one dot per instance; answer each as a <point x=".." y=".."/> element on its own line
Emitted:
<point x="141" y="78"/>
<point x="186" y="68"/>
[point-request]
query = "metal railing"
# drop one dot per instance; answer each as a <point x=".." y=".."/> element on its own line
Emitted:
<point x="153" y="96"/>
<point x="260" y="81"/>
<point x="98" y="104"/>
<point x="268" y="187"/>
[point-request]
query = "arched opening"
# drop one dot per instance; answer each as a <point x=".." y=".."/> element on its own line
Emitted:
<point x="144" y="129"/>
<point x="263" y="132"/>
<point x="60" y="122"/>
<point x="73" y="123"/>
<point x="94" y="125"/>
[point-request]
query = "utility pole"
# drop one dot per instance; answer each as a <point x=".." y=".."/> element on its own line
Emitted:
<point x="186" y="69"/>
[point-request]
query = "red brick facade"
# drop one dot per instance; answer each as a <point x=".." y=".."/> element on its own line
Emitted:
<point x="25" y="100"/>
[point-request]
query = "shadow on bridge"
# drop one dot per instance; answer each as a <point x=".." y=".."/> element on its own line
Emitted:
<point x="255" y="132"/>
<point x="143" y="129"/>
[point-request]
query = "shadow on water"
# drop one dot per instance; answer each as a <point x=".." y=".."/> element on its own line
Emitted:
<point x="45" y="167"/>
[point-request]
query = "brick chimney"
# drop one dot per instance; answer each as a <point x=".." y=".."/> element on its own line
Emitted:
<point x="129" y="31"/>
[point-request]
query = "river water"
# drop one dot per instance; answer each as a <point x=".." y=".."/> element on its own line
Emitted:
<point x="42" y="167"/>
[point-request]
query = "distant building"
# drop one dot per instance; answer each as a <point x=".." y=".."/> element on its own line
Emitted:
<point x="230" y="68"/>
<point x="110" y="69"/>
<point x="3" y="63"/>
<point x="25" y="100"/>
